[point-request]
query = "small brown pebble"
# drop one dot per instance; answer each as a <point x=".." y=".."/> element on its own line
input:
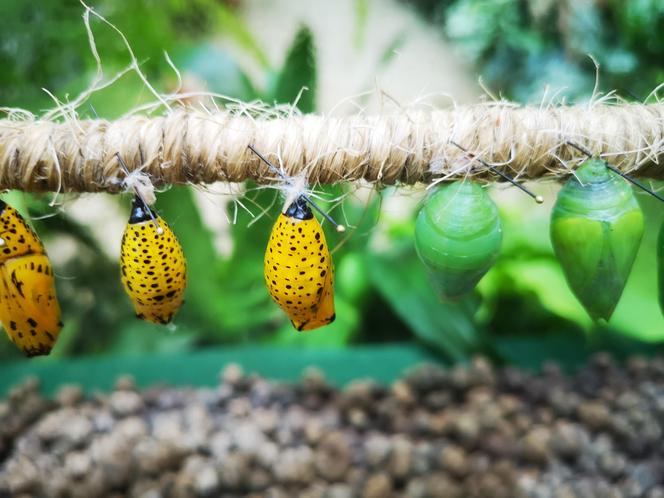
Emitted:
<point x="313" y="379"/>
<point x="206" y="481"/>
<point x="467" y="429"/>
<point x="377" y="447"/>
<point x="460" y="377"/>
<point x="124" y="403"/>
<point x="358" y="418"/>
<point x="65" y="425"/>
<point x="481" y="371"/>
<point x="438" y="485"/>
<point x="416" y="488"/>
<point x="333" y="456"/>
<point x="232" y="374"/>
<point x="273" y="492"/>
<point x="377" y="486"/>
<point x="594" y="414"/>
<point x="239" y="407"/>
<point x="295" y="465"/>
<point x="69" y="395"/>
<point x="564" y="491"/>
<point x="535" y="445"/>
<point x="259" y="479"/>
<point x="563" y="402"/>
<point x="612" y="464"/>
<point x="403" y="393"/>
<point x="125" y="383"/>
<point x="313" y="431"/>
<point x="359" y="394"/>
<point x="316" y="490"/>
<point x="422" y="458"/>
<point x="453" y="459"/>
<point x="233" y="471"/>
<point x="567" y="440"/>
<point x="488" y="485"/>
<point x="437" y="400"/>
<point x="401" y="457"/>
<point x="154" y="457"/>
<point x="509" y="404"/>
<point x="77" y="464"/>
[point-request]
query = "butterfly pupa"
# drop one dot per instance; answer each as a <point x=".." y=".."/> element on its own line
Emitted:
<point x="154" y="270"/>
<point x="298" y="268"/>
<point x="458" y="234"/>
<point x="29" y="308"/>
<point x="596" y="229"/>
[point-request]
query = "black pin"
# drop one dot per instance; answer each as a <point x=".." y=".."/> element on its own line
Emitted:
<point x="538" y="198"/>
<point x="338" y="227"/>
<point x="616" y="171"/>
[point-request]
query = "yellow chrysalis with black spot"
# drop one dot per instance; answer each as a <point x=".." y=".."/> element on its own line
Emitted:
<point x="154" y="271"/>
<point x="298" y="268"/>
<point x="29" y="308"/>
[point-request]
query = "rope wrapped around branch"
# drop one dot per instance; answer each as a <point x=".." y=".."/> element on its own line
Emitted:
<point x="192" y="146"/>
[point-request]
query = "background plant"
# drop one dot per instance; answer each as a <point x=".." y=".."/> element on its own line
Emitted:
<point x="523" y="310"/>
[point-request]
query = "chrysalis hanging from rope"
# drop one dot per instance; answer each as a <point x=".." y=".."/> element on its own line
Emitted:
<point x="458" y="233"/>
<point x="298" y="267"/>
<point x="596" y="229"/>
<point x="29" y="308"/>
<point x="154" y="270"/>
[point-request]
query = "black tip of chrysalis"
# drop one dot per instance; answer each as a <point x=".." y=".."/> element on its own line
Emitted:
<point x="299" y="209"/>
<point x="140" y="211"/>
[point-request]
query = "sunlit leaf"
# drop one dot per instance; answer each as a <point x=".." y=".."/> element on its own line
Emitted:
<point x="298" y="73"/>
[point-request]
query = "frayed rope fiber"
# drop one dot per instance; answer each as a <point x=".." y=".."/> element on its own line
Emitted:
<point x="191" y="146"/>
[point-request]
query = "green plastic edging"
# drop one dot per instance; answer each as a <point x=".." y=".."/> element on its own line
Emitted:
<point x="383" y="363"/>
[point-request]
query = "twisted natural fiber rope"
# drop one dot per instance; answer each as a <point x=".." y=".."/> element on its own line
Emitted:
<point x="192" y="146"/>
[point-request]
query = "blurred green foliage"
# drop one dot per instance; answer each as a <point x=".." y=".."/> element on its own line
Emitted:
<point x="522" y="311"/>
<point x="522" y="47"/>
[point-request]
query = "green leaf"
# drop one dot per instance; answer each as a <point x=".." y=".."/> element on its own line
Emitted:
<point x="392" y="49"/>
<point x="449" y="327"/>
<point x="542" y="277"/>
<point x="231" y="25"/>
<point x="361" y="16"/>
<point x="218" y="70"/>
<point x="140" y="337"/>
<point x="298" y="72"/>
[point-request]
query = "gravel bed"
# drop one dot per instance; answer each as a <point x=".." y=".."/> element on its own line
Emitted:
<point x="470" y="431"/>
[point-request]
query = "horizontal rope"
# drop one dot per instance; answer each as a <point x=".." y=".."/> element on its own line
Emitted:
<point x="188" y="146"/>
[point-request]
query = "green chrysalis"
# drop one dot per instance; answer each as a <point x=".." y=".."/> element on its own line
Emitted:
<point x="457" y="236"/>
<point x="596" y="229"/>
